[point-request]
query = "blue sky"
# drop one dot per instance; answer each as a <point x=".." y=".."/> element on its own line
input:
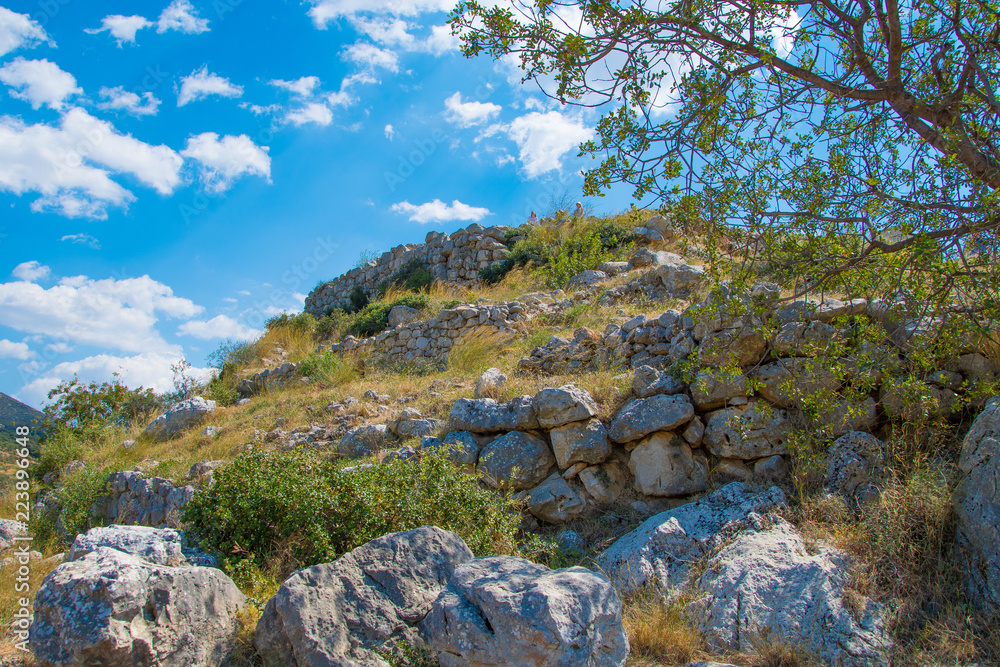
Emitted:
<point x="173" y="173"/>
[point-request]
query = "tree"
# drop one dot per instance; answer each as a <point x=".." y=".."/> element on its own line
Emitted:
<point x="77" y="406"/>
<point x="848" y="144"/>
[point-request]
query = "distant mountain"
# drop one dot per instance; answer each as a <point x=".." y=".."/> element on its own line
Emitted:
<point x="14" y="413"/>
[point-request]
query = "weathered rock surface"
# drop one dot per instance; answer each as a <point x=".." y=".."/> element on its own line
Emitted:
<point x="664" y="465"/>
<point x="401" y="315"/>
<point x="663" y="548"/>
<point x="343" y="613"/>
<point x="714" y="387"/>
<point x="852" y="467"/>
<point x="509" y="611"/>
<point x="977" y="506"/>
<point x="161" y="546"/>
<point x="9" y="530"/>
<point x="113" y="608"/>
<point x="766" y="582"/>
<point x="485" y="415"/>
<point x="462" y="447"/>
<point x="585" y="441"/>
<point x="490" y="384"/>
<point x="180" y="417"/>
<point x="365" y="440"/>
<point x="517" y="461"/>
<point x="647" y="415"/>
<point x="649" y="381"/>
<point x="751" y="432"/>
<point x="787" y="382"/>
<point x="555" y="501"/>
<point x="604" y="482"/>
<point x="555" y="407"/>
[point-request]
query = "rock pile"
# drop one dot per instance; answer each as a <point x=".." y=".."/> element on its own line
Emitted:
<point x="136" y="500"/>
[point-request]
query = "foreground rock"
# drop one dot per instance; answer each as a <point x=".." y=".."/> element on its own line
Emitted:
<point x="161" y="546"/>
<point x="661" y="550"/>
<point x="347" y="613"/>
<point x="508" y="611"/>
<point x="977" y="506"/>
<point x="113" y="608"/>
<point x="766" y="583"/>
<point x="180" y="417"/>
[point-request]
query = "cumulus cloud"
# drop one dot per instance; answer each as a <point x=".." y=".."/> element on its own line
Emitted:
<point x="82" y="239"/>
<point x="202" y="83"/>
<point x="119" y="98"/>
<point x="180" y="15"/>
<point x="314" y="112"/>
<point x="17" y="30"/>
<point x="39" y="82"/>
<point x="303" y="86"/>
<point x="109" y="313"/>
<point x="371" y="57"/>
<point x="438" y="211"/>
<point x="467" y="114"/>
<point x="543" y="139"/>
<point x="223" y="160"/>
<point x="397" y="33"/>
<point x="12" y="350"/>
<point x="390" y="132"/>
<point x="324" y="11"/>
<point x="122" y="28"/>
<point x="220" y="326"/>
<point x="149" y="369"/>
<point x="31" y="271"/>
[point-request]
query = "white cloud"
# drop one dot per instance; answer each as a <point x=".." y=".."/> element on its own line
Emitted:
<point x="544" y="138"/>
<point x="17" y="30"/>
<point x="324" y="11"/>
<point x="149" y="369"/>
<point x="122" y="28"/>
<point x="31" y="271"/>
<point x="39" y="82"/>
<point x="220" y="326"/>
<point x="303" y="86"/>
<point x="119" y="98"/>
<point x="314" y="112"/>
<point x="224" y="160"/>
<point x="440" y="41"/>
<point x="180" y="15"/>
<point x="59" y="347"/>
<point x="467" y="114"/>
<point x="108" y="313"/>
<point x="12" y="350"/>
<point x="390" y="132"/>
<point x="202" y="83"/>
<point x="371" y="57"/>
<point x="438" y="211"/>
<point x="82" y="239"/>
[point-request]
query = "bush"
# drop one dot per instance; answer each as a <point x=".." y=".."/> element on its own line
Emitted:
<point x="412" y="276"/>
<point x="76" y="406"/>
<point x="495" y="272"/>
<point x="358" y="298"/>
<point x="374" y="318"/>
<point x="329" y="326"/>
<point x="303" y="322"/>
<point x="297" y="506"/>
<point x="233" y="353"/>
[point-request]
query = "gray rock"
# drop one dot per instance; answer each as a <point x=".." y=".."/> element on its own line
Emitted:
<point x="485" y="415"/>
<point x="587" y="278"/>
<point x="570" y="540"/>
<point x="649" y="381"/>
<point x="585" y="441"/>
<point x="714" y="388"/>
<point x="461" y="446"/>
<point x="113" y="608"/>
<point x="664" y="465"/>
<point x="555" y="407"/>
<point x="648" y="415"/>
<point x="767" y="582"/>
<point x="417" y="428"/>
<point x="604" y="483"/>
<point x="365" y="440"/>
<point x="802" y="339"/>
<point x="661" y="550"/>
<point x="773" y="468"/>
<point x="741" y="347"/>
<point x="161" y="546"/>
<point x="751" y="432"/>
<point x="400" y="315"/>
<point x="10" y="531"/>
<point x="345" y="612"/>
<point x="679" y="278"/>
<point x="977" y="507"/>
<point x="787" y="382"/>
<point x="516" y="461"/>
<point x="180" y="417"/>
<point x="203" y="468"/>
<point x="853" y="466"/>
<point x="490" y="384"/>
<point x="555" y="501"/>
<point x="508" y="611"/>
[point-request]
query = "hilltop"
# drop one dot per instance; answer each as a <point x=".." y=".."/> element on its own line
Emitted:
<point x="14" y="413"/>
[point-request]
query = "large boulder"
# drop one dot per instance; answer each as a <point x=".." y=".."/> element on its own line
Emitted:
<point x="349" y="612"/>
<point x="679" y="278"/>
<point x="554" y="500"/>
<point x="749" y="432"/>
<point x="643" y="416"/>
<point x="180" y="417"/>
<point x="113" y="608"/>
<point x="977" y="506"/>
<point x="767" y="582"/>
<point x="484" y="415"/>
<point x="461" y="446"/>
<point x="365" y="440"/>
<point x="661" y="550"/>
<point x="649" y="381"/>
<point x="516" y="461"/>
<point x="508" y="611"/>
<point x="555" y="407"/>
<point x="400" y="315"/>
<point x="664" y="465"/>
<point x="154" y="545"/>
<point x="585" y="441"/>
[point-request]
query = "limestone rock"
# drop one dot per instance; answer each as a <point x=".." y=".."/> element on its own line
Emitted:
<point x="508" y="611"/>
<point x="587" y="278"/>
<point x="490" y="384"/>
<point x="648" y="415"/>
<point x="806" y="339"/>
<point x="462" y="447"/>
<point x="554" y="500"/>
<point x="784" y="383"/>
<point x="767" y="582"/>
<point x="661" y="550"/>
<point x="750" y="432"/>
<point x="852" y="467"/>
<point x="485" y="415"/>
<point x="649" y="381"/>
<point x="161" y="546"/>
<point x="977" y="506"/>
<point x="679" y="278"/>
<point x="741" y="347"/>
<point x="555" y="407"/>
<point x="714" y="387"/>
<point x="365" y="440"/>
<point x="604" y="482"/>
<point x="113" y="608"/>
<point x="9" y="530"/>
<point x="585" y="441"/>
<point x="180" y="417"/>
<point x="343" y="613"/>
<point x="400" y="315"/>
<point x="516" y="460"/>
<point x="664" y="465"/>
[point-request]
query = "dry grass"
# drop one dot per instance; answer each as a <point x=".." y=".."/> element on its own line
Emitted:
<point x="658" y="632"/>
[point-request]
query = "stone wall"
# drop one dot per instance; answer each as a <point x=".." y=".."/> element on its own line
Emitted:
<point x="138" y="501"/>
<point x="454" y="259"/>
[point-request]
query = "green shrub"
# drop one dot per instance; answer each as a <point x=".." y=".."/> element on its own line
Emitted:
<point x="412" y="276"/>
<point x="532" y="250"/>
<point x="296" y="505"/>
<point x="329" y="326"/>
<point x="299" y="322"/>
<point x="495" y="272"/>
<point x="73" y="499"/>
<point x="374" y="318"/>
<point x="358" y="298"/>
